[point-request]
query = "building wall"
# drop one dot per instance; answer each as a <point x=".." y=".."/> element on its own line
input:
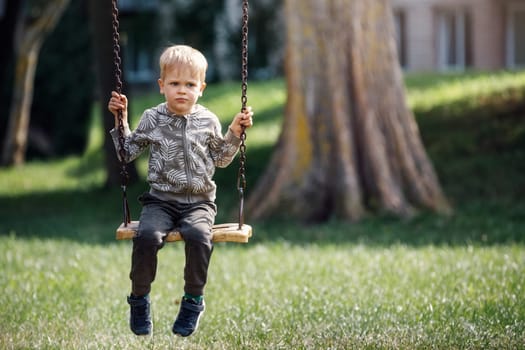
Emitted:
<point x="488" y="39"/>
<point x="420" y="40"/>
<point x="487" y="31"/>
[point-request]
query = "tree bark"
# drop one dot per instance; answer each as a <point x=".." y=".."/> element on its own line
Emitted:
<point x="349" y="144"/>
<point x="27" y="52"/>
<point x="100" y="17"/>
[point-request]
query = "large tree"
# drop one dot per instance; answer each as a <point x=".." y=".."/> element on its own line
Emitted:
<point x="349" y="143"/>
<point x="38" y="21"/>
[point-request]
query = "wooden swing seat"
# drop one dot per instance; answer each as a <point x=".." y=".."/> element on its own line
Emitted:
<point x="229" y="232"/>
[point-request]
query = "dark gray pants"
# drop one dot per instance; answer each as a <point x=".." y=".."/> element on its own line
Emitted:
<point x="158" y="217"/>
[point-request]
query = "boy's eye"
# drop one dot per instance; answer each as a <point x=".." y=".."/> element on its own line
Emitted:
<point x="191" y="84"/>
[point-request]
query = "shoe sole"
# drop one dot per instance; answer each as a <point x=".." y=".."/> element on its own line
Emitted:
<point x="146" y="334"/>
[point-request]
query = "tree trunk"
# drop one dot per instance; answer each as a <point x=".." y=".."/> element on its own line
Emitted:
<point x="8" y="25"/>
<point x="349" y="143"/>
<point x="27" y="52"/>
<point x="100" y="17"/>
<point x="19" y="115"/>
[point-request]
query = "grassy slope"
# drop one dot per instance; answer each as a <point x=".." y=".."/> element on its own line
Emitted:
<point x="432" y="282"/>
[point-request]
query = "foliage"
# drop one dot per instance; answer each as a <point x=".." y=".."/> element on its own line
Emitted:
<point x="64" y="83"/>
<point x="63" y="88"/>
<point x="430" y="282"/>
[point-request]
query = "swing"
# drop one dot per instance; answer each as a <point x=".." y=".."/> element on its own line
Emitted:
<point x="229" y="232"/>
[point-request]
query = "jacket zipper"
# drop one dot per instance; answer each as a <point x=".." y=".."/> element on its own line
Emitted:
<point x="186" y="162"/>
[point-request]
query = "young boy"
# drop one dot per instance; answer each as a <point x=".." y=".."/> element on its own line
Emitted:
<point x="186" y="144"/>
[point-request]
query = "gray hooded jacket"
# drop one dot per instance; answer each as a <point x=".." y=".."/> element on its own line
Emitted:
<point x="184" y="151"/>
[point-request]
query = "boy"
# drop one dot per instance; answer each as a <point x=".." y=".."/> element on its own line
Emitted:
<point x="186" y="144"/>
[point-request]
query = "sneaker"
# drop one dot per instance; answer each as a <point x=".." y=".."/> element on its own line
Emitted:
<point x="140" y="315"/>
<point x="188" y="318"/>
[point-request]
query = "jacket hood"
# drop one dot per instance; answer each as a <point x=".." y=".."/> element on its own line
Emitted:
<point x="163" y="109"/>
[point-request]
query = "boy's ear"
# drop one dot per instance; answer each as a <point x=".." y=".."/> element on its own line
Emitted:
<point x="161" y="85"/>
<point x="203" y="86"/>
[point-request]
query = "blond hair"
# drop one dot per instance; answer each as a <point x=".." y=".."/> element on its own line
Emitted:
<point x="183" y="55"/>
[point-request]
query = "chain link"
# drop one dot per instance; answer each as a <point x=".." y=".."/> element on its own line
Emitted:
<point x="117" y="62"/>
<point x="241" y="177"/>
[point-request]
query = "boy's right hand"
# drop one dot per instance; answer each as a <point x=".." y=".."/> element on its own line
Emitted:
<point x="118" y="102"/>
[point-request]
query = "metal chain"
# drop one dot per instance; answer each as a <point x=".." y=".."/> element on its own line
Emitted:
<point x="241" y="177"/>
<point x="117" y="62"/>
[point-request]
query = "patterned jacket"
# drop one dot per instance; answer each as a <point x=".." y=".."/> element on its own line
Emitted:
<point x="184" y="151"/>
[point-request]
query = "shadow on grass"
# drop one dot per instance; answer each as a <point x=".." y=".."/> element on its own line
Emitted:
<point x="92" y="216"/>
<point x="89" y="216"/>
<point x="476" y="224"/>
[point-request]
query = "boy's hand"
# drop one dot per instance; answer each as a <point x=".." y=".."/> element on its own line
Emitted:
<point x="118" y="102"/>
<point x="242" y="119"/>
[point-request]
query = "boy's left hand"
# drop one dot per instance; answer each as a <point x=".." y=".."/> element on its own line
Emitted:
<point x="242" y="119"/>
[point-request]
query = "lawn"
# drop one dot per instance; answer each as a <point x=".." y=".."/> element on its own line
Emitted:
<point x="430" y="282"/>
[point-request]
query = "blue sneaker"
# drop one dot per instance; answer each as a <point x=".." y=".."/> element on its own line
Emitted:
<point x="188" y="318"/>
<point x="140" y="315"/>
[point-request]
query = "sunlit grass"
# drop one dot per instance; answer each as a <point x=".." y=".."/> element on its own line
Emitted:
<point x="71" y="173"/>
<point x="274" y="295"/>
<point x="473" y="90"/>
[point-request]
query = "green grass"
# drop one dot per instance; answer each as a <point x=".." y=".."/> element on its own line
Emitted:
<point x="68" y="295"/>
<point x="463" y="90"/>
<point x="431" y="282"/>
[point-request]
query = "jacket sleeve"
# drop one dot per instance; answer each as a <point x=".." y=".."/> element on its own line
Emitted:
<point x="223" y="149"/>
<point x="135" y="141"/>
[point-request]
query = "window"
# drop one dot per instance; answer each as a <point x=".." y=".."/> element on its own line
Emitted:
<point x="140" y="44"/>
<point x="139" y="61"/>
<point x="136" y="5"/>
<point x="400" y="27"/>
<point x="453" y="40"/>
<point x="516" y="36"/>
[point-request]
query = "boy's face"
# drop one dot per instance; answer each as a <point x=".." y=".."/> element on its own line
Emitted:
<point x="182" y="88"/>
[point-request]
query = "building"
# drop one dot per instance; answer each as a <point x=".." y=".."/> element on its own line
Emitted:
<point x="214" y="27"/>
<point x="448" y="35"/>
<point x="139" y="39"/>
